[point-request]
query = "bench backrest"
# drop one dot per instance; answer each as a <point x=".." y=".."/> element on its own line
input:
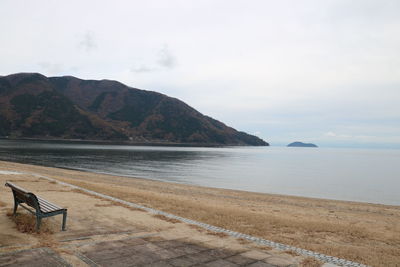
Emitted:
<point x="23" y="196"/>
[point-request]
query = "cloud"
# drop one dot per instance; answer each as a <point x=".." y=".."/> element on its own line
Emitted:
<point x="142" y="68"/>
<point x="165" y="58"/>
<point x="88" y="42"/>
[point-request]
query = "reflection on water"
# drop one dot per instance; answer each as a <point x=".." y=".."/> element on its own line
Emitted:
<point x="162" y="163"/>
<point x="348" y="174"/>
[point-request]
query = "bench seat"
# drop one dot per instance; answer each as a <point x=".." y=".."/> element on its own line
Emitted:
<point x="46" y="206"/>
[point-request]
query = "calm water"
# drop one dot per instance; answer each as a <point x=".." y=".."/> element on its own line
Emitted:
<point x="347" y="174"/>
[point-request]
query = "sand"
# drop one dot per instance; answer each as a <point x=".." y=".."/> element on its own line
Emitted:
<point x="362" y="232"/>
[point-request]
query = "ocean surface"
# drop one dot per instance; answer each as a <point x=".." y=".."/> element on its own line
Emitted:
<point x="367" y="175"/>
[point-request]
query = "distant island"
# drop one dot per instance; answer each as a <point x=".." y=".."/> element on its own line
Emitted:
<point x="301" y="144"/>
<point x="34" y="106"/>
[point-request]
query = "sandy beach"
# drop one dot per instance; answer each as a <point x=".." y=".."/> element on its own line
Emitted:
<point x="361" y="232"/>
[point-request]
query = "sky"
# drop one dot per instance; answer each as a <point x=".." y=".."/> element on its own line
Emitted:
<point x="326" y="72"/>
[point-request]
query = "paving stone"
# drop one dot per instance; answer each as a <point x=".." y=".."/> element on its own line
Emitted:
<point x="124" y="255"/>
<point x="121" y="251"/>
<point x="187" y="249"/>
<point x="169" y="252"/>
<point x="147" y="247"/>
<point x="32" y="258"/>
<point x="180" y="251"/>
<point x="261" y="264"/>
<point x="157" y="264"/>
<point x="135" y="260"/>
<point x="280" y="260"/>
<point x="166" y="254"/>
<point x="180" y="242"/>
<point x="255" y="254"/>
<point x="181" y="261"/>
<point x="102" y="246"/>
<point x="153" y="238"/>
<point x="216" y="253"/>
<point x="102" y="255"/>
<point x="201" y="257"/>
<point x="133" y="241"/>
<point x="219" y="253"/>
<point x="197" y="247"/>
<point x="169" y="243"/>
<point x="220" y="263"/>
<point x="241" y="260"/>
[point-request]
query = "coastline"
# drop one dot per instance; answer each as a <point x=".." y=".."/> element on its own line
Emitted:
<point x="127" y="142"/>
<point x="362" y="232"/>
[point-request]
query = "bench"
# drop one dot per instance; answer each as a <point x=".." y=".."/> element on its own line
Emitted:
<point x="40" y="207"/>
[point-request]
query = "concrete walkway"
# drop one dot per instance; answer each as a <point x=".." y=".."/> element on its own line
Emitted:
<point x="145" y="251"/>
<point x="103" y="233"/>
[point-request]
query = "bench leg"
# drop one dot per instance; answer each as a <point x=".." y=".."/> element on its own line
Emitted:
<point x="15" y="207"/>
<point x="64" y="220"/>
<point x="38" y="222"/>
<point x="15" y="204"/>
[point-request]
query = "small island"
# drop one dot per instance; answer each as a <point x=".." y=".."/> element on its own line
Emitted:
<point x="301" y="144"/>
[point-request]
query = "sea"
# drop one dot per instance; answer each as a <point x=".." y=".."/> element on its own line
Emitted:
<point x="365" y="175"/>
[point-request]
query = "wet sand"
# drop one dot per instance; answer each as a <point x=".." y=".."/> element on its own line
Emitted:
<point x="362" y="232"/>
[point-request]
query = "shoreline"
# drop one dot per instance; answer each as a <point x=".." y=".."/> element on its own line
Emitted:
<point x="361" y="232"/>
<point x="207" y="187"/>
<point x="220" y="188"/>
<point x="130" y="143"/>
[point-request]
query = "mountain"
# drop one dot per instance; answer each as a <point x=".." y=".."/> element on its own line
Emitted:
<point x="36" y="106"/>
<point x="300" y="144"/>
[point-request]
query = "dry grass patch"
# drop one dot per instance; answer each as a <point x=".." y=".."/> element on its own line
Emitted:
<point x="291" y="252"/>
<point x="196" y="227"/>
<point x="243" y="241"/>
<point x="264" y="247"/>
<point x="26" y="223"/>
<point x="80" y="191"/>
<point x="24" y="180"/>
<point x="219" y="234"/>
<point x="311" y="262"/>
<point x="110" y="204"/>
<point x="47" y="240"/>
<point x="165" y="218"/>
<point x="127" y="207"/>
<point x="153" y="238"/>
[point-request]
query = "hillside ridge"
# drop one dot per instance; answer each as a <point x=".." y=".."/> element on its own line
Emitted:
<point x="35" y="106"/>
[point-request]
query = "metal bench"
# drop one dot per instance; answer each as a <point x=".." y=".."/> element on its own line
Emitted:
<point x="41" y="207"/>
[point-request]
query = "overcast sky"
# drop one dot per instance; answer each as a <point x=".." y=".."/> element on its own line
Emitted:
<point x="318" y="71"/>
